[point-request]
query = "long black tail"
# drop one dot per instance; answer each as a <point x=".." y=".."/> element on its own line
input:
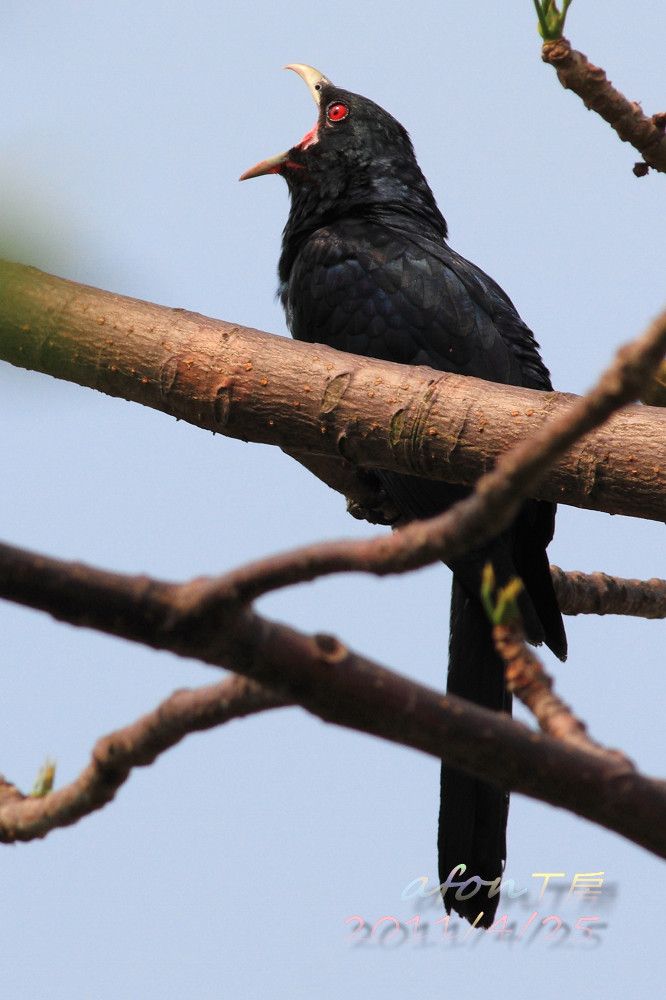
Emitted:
<point x="473" y="814"/>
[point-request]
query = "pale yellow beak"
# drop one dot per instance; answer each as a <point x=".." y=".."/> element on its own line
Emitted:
<point x="270" y="166"/>
<point x="315" y="82"/>
<point x="313" y="79"/>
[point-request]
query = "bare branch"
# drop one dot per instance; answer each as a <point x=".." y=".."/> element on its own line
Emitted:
<point x="600" y="594"/>
<point x="210" y="620"/>
<point x="139" y="744"/>
<point x="527" y="678"/>
<point x="23" y="817"/>
<point x="324" y="676"/>
<point x="575" y="72"/>
<point x="314" y="400"/>
<point x="485" y="512"/>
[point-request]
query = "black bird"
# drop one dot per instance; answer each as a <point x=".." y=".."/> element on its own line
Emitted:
<point x="365" y="268"/>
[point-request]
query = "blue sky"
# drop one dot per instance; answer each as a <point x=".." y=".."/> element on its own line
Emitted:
<point x="229" y="867"/>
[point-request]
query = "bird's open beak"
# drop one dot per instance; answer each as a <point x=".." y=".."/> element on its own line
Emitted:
<point x="272" y="165"/>
<point x="314" y="81"/>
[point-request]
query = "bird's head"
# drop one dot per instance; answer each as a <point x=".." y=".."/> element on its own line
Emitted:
<point x="355" y="157"/>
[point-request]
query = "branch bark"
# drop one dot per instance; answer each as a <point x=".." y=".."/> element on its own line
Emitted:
<point x="312" y="399"/>
<point x="575" y="72"/>
<point x="211" y="620"/>
<point x="24" y="817"/>
<point x="324" y="676"/>
<point x="527" y="678"/>
<point x="600" y="594"/>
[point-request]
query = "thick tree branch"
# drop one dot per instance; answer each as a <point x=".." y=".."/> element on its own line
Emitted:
<point x="317" y="401"/>
<point x="23" y="817"/>
<point x="321" y="674"/>
<point x="210" y="620"/>
<point x="576" y="73"/>
<point x="488" y="510"/>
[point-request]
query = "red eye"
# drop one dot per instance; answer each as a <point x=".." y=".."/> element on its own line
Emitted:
<point x="336" y="112"/>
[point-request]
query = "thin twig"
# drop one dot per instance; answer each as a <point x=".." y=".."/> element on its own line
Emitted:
<point x="527" y="678"/>
<point x="575" y="72"/>
<point x="24" y="817"/>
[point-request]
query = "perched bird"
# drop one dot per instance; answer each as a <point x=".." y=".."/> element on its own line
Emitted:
<point x="365" y="268"/>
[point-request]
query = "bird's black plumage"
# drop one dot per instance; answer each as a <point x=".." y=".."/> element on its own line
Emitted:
<point x="365" y="267"/>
